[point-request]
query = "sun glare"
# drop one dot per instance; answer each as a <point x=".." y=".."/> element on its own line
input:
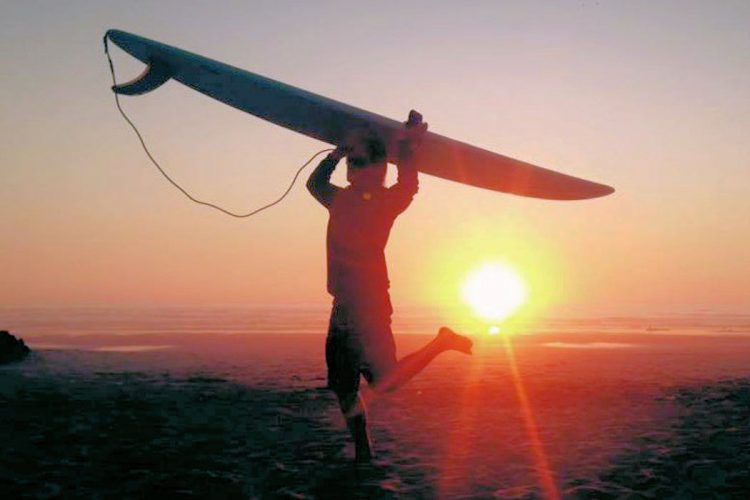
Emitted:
<point x="494" y="291"/>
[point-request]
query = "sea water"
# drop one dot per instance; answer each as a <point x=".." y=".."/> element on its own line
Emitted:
<point x="31" y="322"/>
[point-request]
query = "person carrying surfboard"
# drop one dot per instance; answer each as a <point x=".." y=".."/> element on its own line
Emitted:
<point x="360" y="340"/>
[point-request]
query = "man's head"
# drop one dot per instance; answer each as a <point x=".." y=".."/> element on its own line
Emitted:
<point x="366" y="162"/>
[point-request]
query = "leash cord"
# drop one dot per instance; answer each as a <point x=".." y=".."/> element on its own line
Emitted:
<point x="173" y="182"/>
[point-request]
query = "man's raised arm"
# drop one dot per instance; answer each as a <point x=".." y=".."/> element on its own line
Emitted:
<point x="319" y="183"/>
<point x="407" y="183"/>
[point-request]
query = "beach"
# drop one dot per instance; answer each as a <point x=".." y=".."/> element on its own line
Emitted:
<point x="579" y="415"/>
<point x="191" y="189"/>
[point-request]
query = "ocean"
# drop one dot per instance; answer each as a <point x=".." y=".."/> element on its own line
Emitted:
<point x="33" y="322"/>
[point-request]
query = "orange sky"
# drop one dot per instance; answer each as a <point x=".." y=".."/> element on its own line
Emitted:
<point x="653" y="100"/>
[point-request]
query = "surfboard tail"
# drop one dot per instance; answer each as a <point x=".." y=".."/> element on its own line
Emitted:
<point x="155" y="75"/>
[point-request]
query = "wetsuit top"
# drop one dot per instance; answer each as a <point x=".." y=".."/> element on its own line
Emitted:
<point x="359" y="224"/>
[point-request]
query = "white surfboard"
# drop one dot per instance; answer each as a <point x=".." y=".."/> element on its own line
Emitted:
<point x="329" y="121"/>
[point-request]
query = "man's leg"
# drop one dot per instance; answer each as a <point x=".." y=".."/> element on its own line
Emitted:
<point x="409" y="366"/>
<point x="342" y="359"/>
<point x="355" y="413"/>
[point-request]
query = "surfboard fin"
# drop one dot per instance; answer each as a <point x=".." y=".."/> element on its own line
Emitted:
<point x="154" y="76"/>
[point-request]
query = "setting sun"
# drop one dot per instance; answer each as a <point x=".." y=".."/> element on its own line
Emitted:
<point x="494" y="291"/>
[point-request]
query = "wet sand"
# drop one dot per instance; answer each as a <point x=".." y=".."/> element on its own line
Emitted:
<point x="239" y="416"/>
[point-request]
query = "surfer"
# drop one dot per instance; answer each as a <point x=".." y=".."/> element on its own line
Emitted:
<point x="360" y="340"/>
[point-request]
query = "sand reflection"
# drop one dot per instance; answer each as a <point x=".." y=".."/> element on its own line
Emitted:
<point x="109" y="348"/>
<point x="132" y="348"/>
<point x="589" y="345"/>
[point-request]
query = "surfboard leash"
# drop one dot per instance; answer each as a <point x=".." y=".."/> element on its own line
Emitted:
<point x="172" y="181"/>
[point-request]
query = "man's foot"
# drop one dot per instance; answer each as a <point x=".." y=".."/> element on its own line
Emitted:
<point x="453" y="341"/>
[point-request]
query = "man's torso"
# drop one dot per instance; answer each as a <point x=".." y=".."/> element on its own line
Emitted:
<point x="358" y="228"/>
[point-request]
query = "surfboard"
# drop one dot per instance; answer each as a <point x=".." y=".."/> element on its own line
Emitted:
<point x="330" y="121"/>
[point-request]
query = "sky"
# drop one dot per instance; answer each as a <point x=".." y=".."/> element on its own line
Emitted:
<point x="651" y="97"/>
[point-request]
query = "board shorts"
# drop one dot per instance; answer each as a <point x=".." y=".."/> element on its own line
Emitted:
<point x="359" y="342"/>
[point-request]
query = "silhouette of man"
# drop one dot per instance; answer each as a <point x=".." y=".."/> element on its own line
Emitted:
<point x="360" y="340"/>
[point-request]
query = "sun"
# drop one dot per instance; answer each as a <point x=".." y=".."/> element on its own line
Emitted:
<point x="495" y="291"/>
